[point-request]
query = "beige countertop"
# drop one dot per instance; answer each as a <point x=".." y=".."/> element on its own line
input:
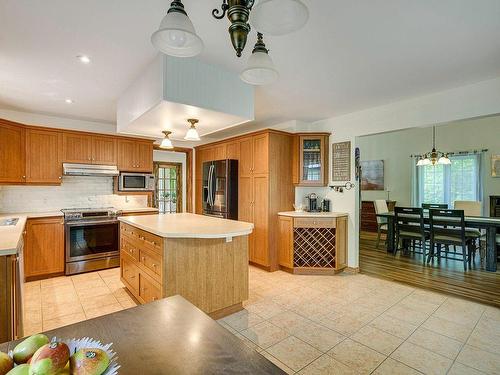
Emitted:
<point x="186" y="225"/>
<point x="143" y="209"/>
<point x="33" y="215"/>
<point x="10" y="235"/>
<point x="312" y="214"/>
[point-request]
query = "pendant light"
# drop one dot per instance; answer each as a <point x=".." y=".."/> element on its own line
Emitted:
<point x="192" y="133"/>
<point x="166" y="143"/>
<point x="434" y="157"/>
<point x="176" y="35"/>
<point x="260" y="68"/>
<point x="279" y="17"/>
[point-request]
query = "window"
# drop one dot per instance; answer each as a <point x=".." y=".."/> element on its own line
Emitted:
<point x="168" y="193"/>
<point x="460" y="181"/>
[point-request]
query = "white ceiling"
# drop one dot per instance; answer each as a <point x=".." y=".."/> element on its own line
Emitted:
<point x="351" y="55"/>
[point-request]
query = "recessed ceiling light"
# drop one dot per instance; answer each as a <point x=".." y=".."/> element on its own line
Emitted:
<point x="84" y="59"/>
<point x="69" y="101"/>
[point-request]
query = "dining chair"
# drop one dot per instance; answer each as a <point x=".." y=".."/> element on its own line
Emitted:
<point x="441" y="206"/>
<point x="410" y="227"/>
<point x="381" y="208"/>
<point x="447" y="227"/>
<point x="471" y="208"/>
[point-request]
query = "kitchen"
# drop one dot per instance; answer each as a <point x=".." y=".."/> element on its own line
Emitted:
<point x="161" y="181"/>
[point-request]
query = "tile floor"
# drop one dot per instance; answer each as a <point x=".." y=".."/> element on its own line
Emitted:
<point x="344" y="324"/>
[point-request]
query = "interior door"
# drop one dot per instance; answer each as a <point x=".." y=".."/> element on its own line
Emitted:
<point x="43" y="156"/>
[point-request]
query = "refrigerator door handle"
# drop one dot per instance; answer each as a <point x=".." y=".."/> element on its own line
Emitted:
<point x="210" y="175"/>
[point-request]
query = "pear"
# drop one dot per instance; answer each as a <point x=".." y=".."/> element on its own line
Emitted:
<point x="26" y="348"/>
<point x="23" y="369"/>
<point x="49" y="359"/>
<point x="6" y="363"/>
<point x="89" y="362"/>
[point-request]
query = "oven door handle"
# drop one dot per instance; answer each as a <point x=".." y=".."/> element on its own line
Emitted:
<point x="90" y="222"/>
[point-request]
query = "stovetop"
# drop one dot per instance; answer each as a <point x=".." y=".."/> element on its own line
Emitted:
<point x="89" y="213"/>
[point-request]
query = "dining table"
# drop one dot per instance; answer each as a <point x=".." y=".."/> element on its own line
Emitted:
<point x="489" y="224"/>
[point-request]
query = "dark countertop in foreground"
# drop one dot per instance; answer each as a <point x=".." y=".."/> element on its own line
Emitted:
<point x="170" y="336"/>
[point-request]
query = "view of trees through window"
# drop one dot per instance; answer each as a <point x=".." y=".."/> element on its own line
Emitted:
<point x="449" y="183"/>
<point x="167" y="188"/>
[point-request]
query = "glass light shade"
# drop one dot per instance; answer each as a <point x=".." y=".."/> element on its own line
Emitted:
<point x="166" y="143"/>
<point x="176" y="36"/>
<point x="192" y="134"/>
<point x="420" y="162"/>
<point x="279" y="17"/>
<point x="260" y="70"/>
<point x="426" y="161"/>
<point x="444" y="160"/>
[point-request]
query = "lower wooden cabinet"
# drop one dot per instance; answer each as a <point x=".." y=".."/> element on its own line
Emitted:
<point x="44" y="247"/>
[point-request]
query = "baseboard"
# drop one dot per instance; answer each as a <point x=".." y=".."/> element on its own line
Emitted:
<point x="352" y="270"/>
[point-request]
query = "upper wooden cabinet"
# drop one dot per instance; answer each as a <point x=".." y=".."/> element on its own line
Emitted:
<point x="12" y="153"/>
<point x="104" y="150"/>
<point x="77" y="148"/>
<point x="135" y="156"/>
<point x="311" y="159"/>
<point x="43" y="156"/>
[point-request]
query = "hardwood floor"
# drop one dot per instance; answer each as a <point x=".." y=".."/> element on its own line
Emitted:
<point x="445" y="276"/>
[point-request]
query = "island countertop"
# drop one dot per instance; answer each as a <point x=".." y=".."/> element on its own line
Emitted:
<point x="312" y="214"/>
<point x="186" y="225"/>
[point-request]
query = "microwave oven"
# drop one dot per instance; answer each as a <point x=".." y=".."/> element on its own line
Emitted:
<point x="136" y="182"/>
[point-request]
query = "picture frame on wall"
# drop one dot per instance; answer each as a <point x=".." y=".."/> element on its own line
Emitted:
<point x="372" y="175"/>
<point x="495" y="165"/>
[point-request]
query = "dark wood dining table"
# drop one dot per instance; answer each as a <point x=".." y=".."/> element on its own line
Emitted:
<point x="489" y="224"/>
<point x="169" y="336"/>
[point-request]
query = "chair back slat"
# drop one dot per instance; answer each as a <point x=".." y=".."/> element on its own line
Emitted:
<point x="429" y="206"/>
<point x="410" y="220"/>
<point x="447" y="226"/>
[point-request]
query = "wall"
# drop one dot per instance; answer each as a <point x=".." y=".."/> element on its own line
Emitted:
<point x="395" y="147"/>
<point x="174" y="157"/>
<point x="74" y="192"/>
<point x="466" y="102"/>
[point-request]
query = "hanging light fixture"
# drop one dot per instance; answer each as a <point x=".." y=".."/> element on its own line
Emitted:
<point x="434" y="157"/>
<point x="166" y="143"/>
<point x="192" y="133"/>
<point x="176" y="35"/>
<point x="279" y="17"/>
<point x="260" y="69"/>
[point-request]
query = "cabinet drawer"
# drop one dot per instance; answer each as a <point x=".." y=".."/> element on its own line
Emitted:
<point x="313" y="222"/>
<point x="130" y="273"/>
<point x="149" y="290"/>
<point x="152" y="262"/>
<point x="128" y="247"/>
<point x="140" y="238"/>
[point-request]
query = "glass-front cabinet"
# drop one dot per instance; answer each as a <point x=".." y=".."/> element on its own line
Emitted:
<point x="312" y="160"/>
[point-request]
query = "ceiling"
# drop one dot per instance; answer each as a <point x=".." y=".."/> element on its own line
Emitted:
<point x="351" y="55"/>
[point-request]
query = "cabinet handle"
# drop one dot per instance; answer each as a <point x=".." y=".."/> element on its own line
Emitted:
<point x="60" y="177"/>
<point x="90" y="159"/>
<point x="143" y="259"/>
<point x="132" y="277"/>
<point x="154" y="298"/>
<point x="24" y="177"/>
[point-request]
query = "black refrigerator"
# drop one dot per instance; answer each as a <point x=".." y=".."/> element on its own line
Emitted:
<point x="220" y="189"/>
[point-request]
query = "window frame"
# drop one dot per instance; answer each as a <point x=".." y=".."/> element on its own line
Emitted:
<point x="178" y="166"/>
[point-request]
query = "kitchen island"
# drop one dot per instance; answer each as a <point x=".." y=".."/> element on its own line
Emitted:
<point x="201" y="258"/>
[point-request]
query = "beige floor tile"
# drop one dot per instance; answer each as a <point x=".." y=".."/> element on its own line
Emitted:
<point x="289" y="321"/>
<point x="93" y="292"/>
<point x="32" y="314"/>
<point x="103" y="310"/>
<point x="445" y="327"/>
<point x="326" y="365"/>
<point x="277" y="362"/>
<point x="480" y="360"/>
<point x="436" y="343"/>
<point x="358" y="357"/>
<point x="86" y="277"/>
<point x="89" y="284"/>
<point x="377" y="339"/>
<point x="492" y="313"/>
<point x="345" y="324"/>
<point x="484" y="339"/>
<point x="294" y="353"/>
<point x="242" y="320"/>
<point x="460" y="369"/>
<point x="227" y="327"/>
<point x="460" y="312"/>
<point x="430" y="297"/>
<point x="422" y="359"/>
<point x="127" y="301"/>
<point x="56" y="310"/>
<point x="265" y="334"/>
<point x="67" y="296"/>
<point x="63" y="321"/>
<point x="407" y="314"/>
<point x="112" y="272"/>
<point x="55" y="281"/>
<point x="393" y="367"/>
<point x="98" y="301"/>
<point x="265" y="309"/>
<point x="247" y="342"/>
<point x="318" y="336"/>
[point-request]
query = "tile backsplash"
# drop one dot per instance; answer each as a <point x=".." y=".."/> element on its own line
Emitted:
<point x="73" y="192"/>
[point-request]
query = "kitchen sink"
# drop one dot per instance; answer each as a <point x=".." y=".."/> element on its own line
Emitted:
<point x="9" y="221"/>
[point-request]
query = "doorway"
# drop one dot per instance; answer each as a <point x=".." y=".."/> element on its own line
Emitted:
<point x="168" y="191"/>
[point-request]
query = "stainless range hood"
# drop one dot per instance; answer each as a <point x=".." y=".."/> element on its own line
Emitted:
<point x="90" y="170"/>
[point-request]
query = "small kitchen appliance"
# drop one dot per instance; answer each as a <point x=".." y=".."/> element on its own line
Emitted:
<point x="136" y="182"/>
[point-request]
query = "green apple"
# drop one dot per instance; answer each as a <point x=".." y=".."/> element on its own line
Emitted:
<point x="49" y="359"/>
<point x="6" y="363"/>
<point x="23" y="369"/>
<point x="89" y="362"/>
<point x="26" y="348"/>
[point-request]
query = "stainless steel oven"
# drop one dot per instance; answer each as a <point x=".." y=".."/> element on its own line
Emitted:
<point x="91" y="239"/>
<point x="136" y="182"/>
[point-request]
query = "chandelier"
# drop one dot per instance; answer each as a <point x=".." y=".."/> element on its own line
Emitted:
<point x="176" y="35"/>
<point x="434" y="157"/>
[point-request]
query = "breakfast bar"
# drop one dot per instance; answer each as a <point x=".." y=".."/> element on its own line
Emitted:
<point x="201" y="258"/>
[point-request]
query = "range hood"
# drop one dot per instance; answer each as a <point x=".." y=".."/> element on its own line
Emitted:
<point x="90" y="170"/>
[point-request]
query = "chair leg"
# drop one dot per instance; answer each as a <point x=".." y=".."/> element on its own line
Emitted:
<point x="465" y="250"/>
<point x="378" y="236"/>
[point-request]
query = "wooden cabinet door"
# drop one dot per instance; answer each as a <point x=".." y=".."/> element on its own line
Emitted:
<point x="149" y="290"/>
<point x="261" y="220"/>
<point x="233" y="151"/>
<point x="285" y="242"/>
<point x="77" y="148"/>
<point x="126" y="155"/>
<point x="144" y="157"/>
<point x="261" y="154"/>
<point x="43" y="156"/>
<point x="12" y="153"/>
<point x="246" y="157"/>
<point x="104" y="150"/>
<point x="313" y="160"/>
<point x="245" y="206"/>
<point x="220" y="152"/>
<point x="44" y="247"/>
